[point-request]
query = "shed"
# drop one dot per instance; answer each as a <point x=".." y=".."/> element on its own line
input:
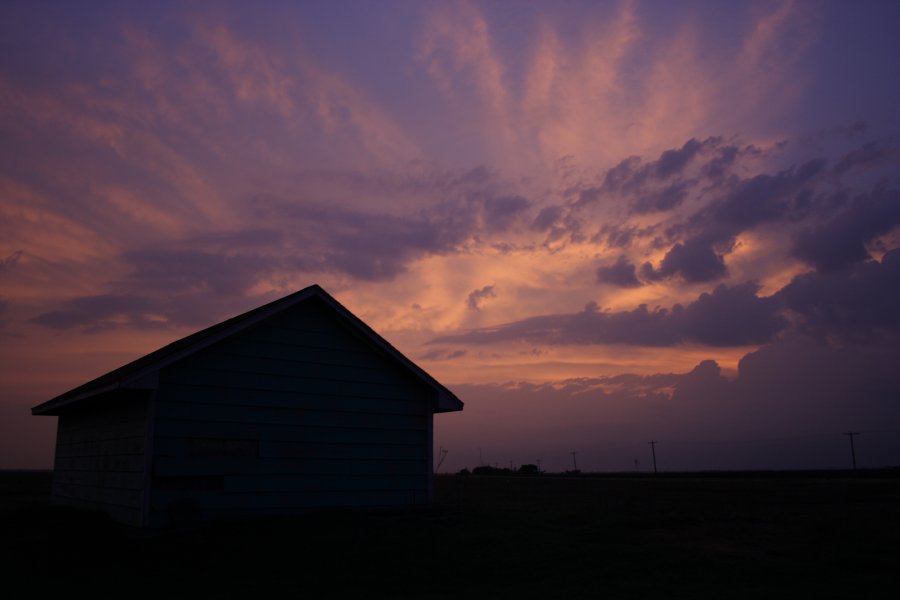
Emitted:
<point x="291" y="406"/>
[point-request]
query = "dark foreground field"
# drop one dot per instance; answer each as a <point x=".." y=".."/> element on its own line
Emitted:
<point x="805" y="535"/>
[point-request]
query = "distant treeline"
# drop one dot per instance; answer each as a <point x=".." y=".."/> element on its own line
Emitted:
<point x="532" y="470"/>
<point x="497" y="471"/>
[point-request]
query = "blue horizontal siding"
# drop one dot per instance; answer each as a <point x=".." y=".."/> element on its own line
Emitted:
<point x="99" y="459"/>
<point x="242" y="465"/>
<point x="248" y="380"/>
<point x="180" y="429"/>
<point x="177" y="393"/>
<point x="286" y="416"/>
<point x="303" y="367"/>
<point x="333" y="420"/>
<point x="106" y="462"/>
<point x="295" y="449"/>
<point x="280" y="502"/>
<point x="297" y="350"/>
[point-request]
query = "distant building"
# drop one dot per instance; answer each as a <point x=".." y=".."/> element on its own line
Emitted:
<point x="295" y="405"/>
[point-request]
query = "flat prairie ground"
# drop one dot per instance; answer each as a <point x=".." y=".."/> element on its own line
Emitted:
<point x="809" y="535"/>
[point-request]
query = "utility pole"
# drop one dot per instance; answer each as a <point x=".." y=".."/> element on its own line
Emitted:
<point x="653" y="452"/>
<point x="574" y="462"/>
<point x="539" y="465"/>
<point x="850" y="435"/>
<point x="443" y="454"/>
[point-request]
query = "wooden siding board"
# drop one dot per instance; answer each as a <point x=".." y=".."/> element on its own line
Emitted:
<point x="176" y="393"/>
<point x="285" y="416"/>
<point x="172" y="447"/>
<point x="362" y="371"/>
<point x="286" y="501"/>
<point x="99" y="455"/>
<point x="115" y="479"/>
<point x="124" y="463"/>
<point x="183" y="466"/>
<point x="175" y="428"/>
<point x="296" y="350"/>
<point x="288" y="383"/>
<point x="334" y="423"/>
<point x="100" y="495"/>
<point x="323" y="340"/>
<point x="108" y="446"/>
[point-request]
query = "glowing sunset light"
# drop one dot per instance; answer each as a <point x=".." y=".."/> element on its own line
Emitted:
<point x="598" y="223"/>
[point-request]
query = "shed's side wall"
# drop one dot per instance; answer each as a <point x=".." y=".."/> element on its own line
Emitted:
<point x="99" y="460"/>
<point x="298" y="412"/>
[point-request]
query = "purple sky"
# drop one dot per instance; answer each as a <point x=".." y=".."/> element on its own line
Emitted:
<point x="600" y="223"/>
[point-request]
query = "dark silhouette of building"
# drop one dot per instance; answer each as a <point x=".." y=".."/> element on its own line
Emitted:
<point x="295" y="405"/>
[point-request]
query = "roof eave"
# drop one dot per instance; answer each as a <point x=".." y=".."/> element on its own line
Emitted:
<point x="447" y="402"/>
<point x="52" y="407"/>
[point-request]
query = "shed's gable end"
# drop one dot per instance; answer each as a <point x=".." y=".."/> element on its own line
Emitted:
<point x="143" y="372"/>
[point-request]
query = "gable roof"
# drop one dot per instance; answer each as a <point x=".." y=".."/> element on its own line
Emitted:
<point x="138" y="373"/>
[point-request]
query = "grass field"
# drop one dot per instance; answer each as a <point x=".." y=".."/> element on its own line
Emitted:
<point x="676" y="536"/>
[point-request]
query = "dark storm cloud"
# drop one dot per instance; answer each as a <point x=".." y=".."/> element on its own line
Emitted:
<point x="618" y="236"/>
<point x="370" y="245"/>
<point x="151" y="309"/>
<point x="476" y="296"/>
<point x="725" y="156"/>
<point x="729" y="316"/>
<point x="225" y="241"/>
<point x="619" y="177"/>
<point x="842" y="240"/>
<point x="674" y="161"/>
<point x="785" y="409"/>
<point x="695" y="261"/>
<point x="709" y="234"/>
<point x="857" y="304"/>
<point x="871" y="154"/>
<point x="179" y="271"/>
<point x="377" y="247"/>
<point x="621" y="274"/>
<point x="501" y="212"/>
<point x="764" y="198"/>
<point x="219" y="268"/>
<point x="96" y="313"/>
<point x="172" y="287"/>
<point x="634" y="177"/>
<point x="732" y="316"/>
<point x="698" y="245"/>
<point x="629" y="175"/>
<point x="547" y="218"/>
<point x="662" y="200"/>
<point x="443" y="354"/>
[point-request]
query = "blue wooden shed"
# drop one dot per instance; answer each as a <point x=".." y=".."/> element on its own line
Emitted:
<point x="295" y="405"/>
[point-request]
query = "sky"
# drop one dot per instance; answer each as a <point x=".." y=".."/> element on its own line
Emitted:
<point x="598" y="223"/>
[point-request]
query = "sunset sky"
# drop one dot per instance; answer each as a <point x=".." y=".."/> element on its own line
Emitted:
<point x="598" y="223"/>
